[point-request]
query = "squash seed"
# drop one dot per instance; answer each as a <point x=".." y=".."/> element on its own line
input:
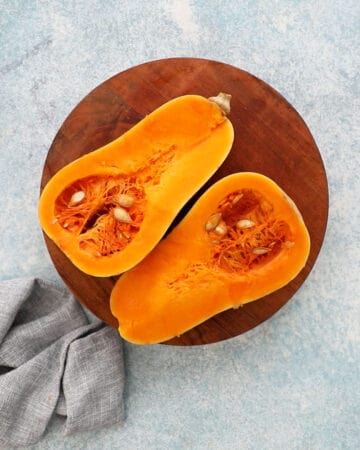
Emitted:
<point x="289" y="244"/>
<point x="77" y="197"/>
<point x="121" y="215"/>
<point x="260" y="250"/>
<point x="237" y="198"/>
<point x="245" y="223"/>
<point x="221" y="228"/>
<point x="213" y="221"/>
<point x="125" y="200"/>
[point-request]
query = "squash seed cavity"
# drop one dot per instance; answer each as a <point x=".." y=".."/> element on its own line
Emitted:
<point x="104" y="212"/>
<point x="244" y="232"/>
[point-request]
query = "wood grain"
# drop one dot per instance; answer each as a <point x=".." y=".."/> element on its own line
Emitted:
<point x="270" y="138"/>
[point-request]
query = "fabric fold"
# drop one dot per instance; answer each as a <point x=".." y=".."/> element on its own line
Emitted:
<point x="53" y="360"/>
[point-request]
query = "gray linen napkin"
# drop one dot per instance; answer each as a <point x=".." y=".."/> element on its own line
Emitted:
<point x="53" y="360"/>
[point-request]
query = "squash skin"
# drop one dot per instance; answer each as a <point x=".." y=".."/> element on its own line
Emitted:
<point x="196" y="135"/>
<point x="150" y="303"/>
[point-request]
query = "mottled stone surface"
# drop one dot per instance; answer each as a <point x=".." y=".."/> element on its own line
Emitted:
<point x="291" y="383"/>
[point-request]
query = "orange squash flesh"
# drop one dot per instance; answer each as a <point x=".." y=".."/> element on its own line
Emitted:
<point x="159" y="164"/>
<point x="243" y="239"/>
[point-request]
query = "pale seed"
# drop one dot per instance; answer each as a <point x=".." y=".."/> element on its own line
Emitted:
<point x="213" y="221"/>
<point x="121" y="215"/>
<point x="226" y="205"/>
<point x="125" y="200"/>
<point x="289" y="244"/>
<point x="237" y="198"/>
<point x="77" y="197"/>
<point x="221" y="229"/>
<point x="260" y="250"/>
<point x="245" y="223"/>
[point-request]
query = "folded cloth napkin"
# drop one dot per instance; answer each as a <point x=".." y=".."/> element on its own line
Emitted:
<point x="53" y="360"/>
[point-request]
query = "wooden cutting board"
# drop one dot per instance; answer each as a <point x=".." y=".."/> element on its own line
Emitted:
<point x="270" y="137"/>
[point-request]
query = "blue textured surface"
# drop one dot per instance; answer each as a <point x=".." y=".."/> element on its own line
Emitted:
<point x="291" y="383"/>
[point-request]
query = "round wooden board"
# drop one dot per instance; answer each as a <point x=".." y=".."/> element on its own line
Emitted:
<point x="270" y="138"/>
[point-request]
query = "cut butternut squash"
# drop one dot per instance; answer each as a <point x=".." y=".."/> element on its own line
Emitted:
<point x="243" y="239"/>
<point x="108" y="209"/>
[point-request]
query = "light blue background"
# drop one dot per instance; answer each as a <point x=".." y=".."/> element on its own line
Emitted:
<point x="291" y="383"/>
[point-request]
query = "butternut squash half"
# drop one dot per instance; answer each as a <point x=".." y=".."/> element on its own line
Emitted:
<point x="243" y="239"/>
<point x="108" y="209"/>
